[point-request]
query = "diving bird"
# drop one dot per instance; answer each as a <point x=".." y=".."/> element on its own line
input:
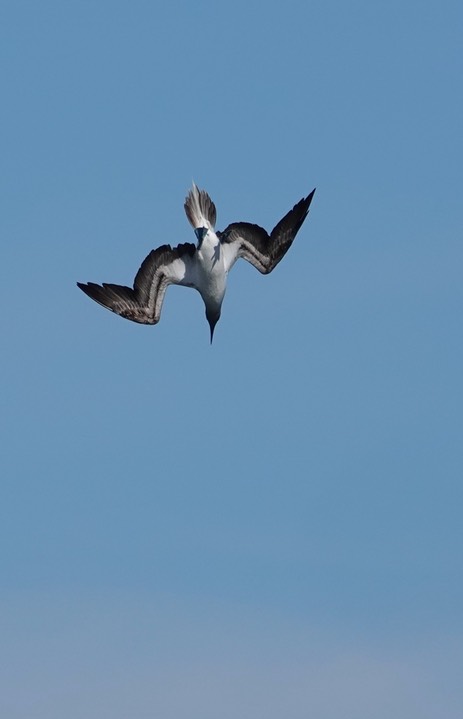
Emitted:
<point x="204" y="266"/>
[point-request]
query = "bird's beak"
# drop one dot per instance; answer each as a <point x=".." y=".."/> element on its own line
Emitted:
<point x="212" y="326"/>
<point x="212" y="317"/>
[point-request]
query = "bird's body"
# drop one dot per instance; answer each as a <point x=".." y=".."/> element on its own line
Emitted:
<point x="204" y="267"/>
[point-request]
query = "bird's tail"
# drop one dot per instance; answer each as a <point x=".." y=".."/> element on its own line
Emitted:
<point x="200" y="209"/>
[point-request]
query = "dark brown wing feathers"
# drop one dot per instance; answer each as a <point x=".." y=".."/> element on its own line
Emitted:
<point x="261" y="249"/>
<point x="142" y="303"/>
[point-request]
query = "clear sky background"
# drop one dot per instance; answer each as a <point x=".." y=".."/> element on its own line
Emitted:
<point x="272" y="526"/>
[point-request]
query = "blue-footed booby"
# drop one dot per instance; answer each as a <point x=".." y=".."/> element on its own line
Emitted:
<point x="204" y="266"/>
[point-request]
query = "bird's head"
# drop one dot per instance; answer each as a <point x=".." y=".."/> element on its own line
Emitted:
<point x="212" y="317"/>
<point x="201" y="233"/>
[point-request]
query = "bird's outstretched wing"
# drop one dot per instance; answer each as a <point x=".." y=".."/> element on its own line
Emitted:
<point x="161" y="268"/>
<point x="254" y="244"/>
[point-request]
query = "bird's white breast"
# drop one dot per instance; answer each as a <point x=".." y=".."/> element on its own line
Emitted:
<point x="213" y="276"/>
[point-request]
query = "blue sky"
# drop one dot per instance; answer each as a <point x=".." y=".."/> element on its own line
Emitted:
<point x="270" y="526"/>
